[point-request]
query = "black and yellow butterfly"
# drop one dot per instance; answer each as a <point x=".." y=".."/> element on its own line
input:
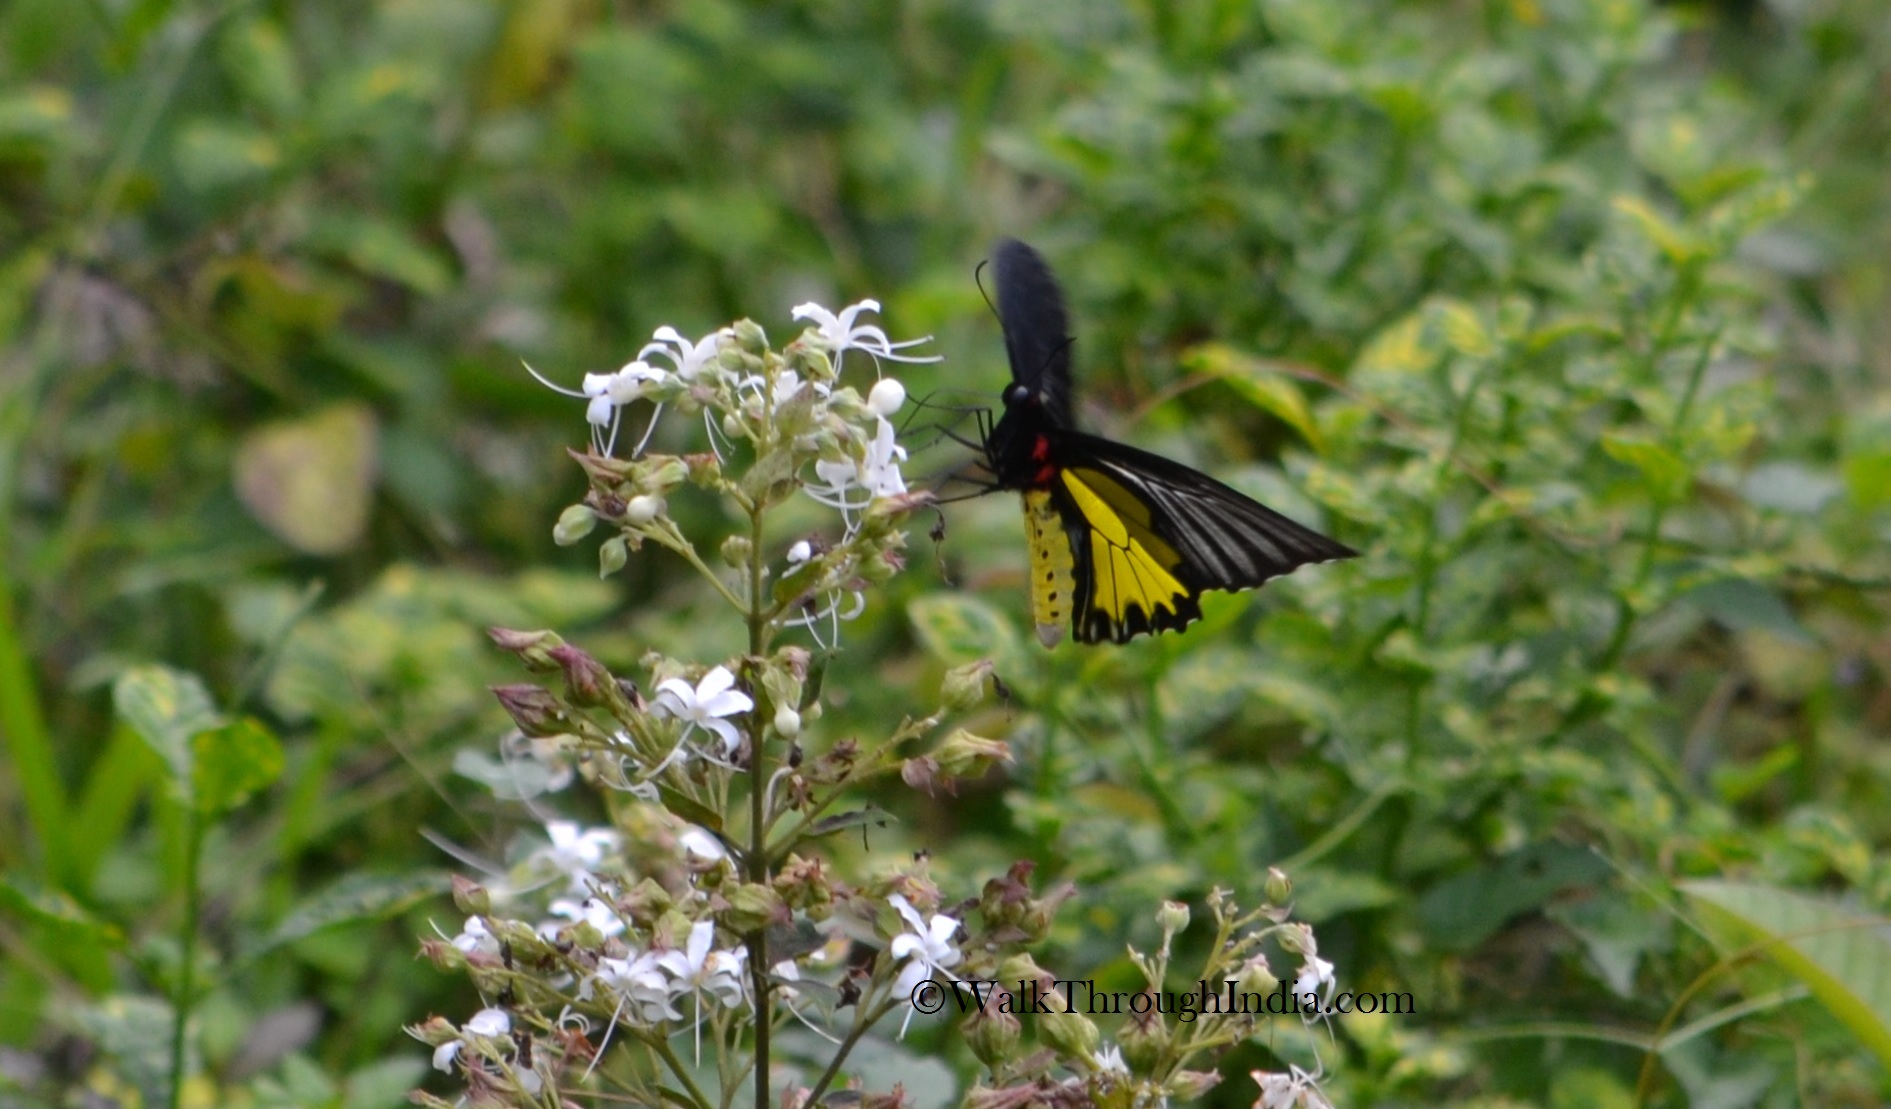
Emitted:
<point x="1122" y="541"/>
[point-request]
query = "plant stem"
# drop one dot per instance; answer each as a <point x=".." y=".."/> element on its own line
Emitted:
<point x="187" y="948"/>
<point x="757" y="860"/>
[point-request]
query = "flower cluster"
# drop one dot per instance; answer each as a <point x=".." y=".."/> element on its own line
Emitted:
<point x="680" y="935"/>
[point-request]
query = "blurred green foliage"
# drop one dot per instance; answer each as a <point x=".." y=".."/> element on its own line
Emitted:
<point x="1570" y="313"/>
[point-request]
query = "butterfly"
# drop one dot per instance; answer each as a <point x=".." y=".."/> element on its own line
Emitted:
<point x="1123" y="542"/>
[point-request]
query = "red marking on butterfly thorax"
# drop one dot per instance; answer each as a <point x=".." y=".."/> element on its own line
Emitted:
<point x="1041" y="454"/>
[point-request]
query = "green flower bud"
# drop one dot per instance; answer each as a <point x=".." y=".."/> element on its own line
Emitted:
<point x="965" y="686"/>
<point x="992" y="1036"/>
<point x="1188" y="1085"/>
<point x="753" y="906"/>
<point x="574" y="523"/>
<point x="732" y="426"/>
<point x="1256" y="977"/>
<point x="1022" y="968"/>
<point x="1172" y="917"/>
<point x="1145" y="1041"/>
<point x="1278" y="887"/>
<point x="787" y="722"/>
<point x="470" y="897"/>
<point x="737" y="550"/>
<point x="612" y="556"/>
<point x="668" y="473"/>
<point x="1072" y="1035"/>
<point x="750" y="336"/>
<point x="964" y="755"/>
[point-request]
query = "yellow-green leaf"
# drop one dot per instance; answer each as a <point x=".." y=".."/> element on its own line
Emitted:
<point x="1264" y="387"/>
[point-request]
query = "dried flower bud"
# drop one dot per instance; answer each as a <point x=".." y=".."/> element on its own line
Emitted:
<point x="587" y="683"/>
<point x="736" y="551"/>
<point x="533" y="708"/>
<point x="533" y="648"/>
<point x="574" y="523"/>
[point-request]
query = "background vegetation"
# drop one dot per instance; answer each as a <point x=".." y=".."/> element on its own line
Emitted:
<point x="1569" y="313"/>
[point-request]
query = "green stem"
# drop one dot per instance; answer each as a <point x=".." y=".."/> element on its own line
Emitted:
<point x="668" y="1054"/>
<point x="862" y="1022"/>
<point x="757" y="861"/>
<point x="181" y="999"/>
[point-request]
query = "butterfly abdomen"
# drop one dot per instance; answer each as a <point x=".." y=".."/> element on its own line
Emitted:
<point x="1053" y="571"/>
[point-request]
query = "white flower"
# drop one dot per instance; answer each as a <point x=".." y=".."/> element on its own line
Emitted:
<point x="487" y="1023"/>
<point x="1296" y="1089"/>
<point x="880" y="472"/>
<point x="1316" y="977"/>
<point x="800" y="552"/>
<point x="1109" y="1060"/>
<point x="928" y="945"/>
<point x="590" y="911"/>
<point x="688" y="358"/>
<point x="474" y="937"/>
<point x="700" y="847"/>
<point x="606" y="394"/>
<point x="700" y="969"/>
<point x="841" y="335"/>
<point x="877" y="473"/>
<point x="576" y="853"/>
<point x="637" y="983"/>
<point x="705" y="705"/>
<point x="886" y="396"/>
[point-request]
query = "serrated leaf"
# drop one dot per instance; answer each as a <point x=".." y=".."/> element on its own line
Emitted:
<point x="1267" y="390"/>
<point x="1842" y="957"/>
<point x="167" y="709"/>
<point x="230" y="762"/>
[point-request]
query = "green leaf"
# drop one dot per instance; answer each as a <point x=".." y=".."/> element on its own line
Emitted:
<point x="1263" y="387"/>
<point x="1679" y="246"/>
<point x="231" y="762"/>
<point x="1841" y="956"/>
<point x="1745" y="605"/>
<point x="1668" y="477"/>
<point x="55" y="910"/>
<point x="356" y="897"/>
<point x="213" y="154"/>
<point x="1462" y="912"/>
<point x="385" y="249"/>
<point x="167" y="709"/>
